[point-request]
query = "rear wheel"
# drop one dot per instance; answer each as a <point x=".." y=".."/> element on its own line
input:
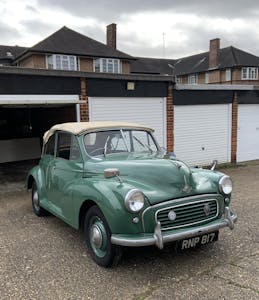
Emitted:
<point x="98" y="239"/>
<point x="38" y="210"/>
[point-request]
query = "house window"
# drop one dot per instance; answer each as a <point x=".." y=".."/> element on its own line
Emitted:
<point x="249" y="73"/>
<point x="61" y="62"/>
<point x="228" y="74"/>
<point x="193" y="79"/>
<point x="207" y="80"/>
<point x="107" y="65"/>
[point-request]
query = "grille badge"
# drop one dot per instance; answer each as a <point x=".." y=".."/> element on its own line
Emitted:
<point x="171" y="215"/>
<point x="206" y="209"/>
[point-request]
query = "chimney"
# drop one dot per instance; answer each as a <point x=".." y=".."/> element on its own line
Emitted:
<point x="111" y="35"/>
<point x="214" y="53"/>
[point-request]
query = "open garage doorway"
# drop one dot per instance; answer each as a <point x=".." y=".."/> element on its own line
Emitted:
<point x="22" y="129"/>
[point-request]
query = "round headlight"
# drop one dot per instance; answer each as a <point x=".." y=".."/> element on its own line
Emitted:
<point x="225" y="185"/>
<point x="134" y="201"/>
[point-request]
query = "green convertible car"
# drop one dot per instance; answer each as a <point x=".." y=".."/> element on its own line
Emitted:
<point x="114" y="181"/>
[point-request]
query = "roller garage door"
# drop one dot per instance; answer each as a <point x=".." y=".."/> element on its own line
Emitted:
<point x="203" y="133"/>
<point x="248" y="132"/>
<point x="147" y="111"/>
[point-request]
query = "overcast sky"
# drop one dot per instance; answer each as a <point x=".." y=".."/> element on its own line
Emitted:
<point x="151" y="28"/>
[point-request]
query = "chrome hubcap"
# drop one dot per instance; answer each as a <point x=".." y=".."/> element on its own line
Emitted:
<point x="36" y="200"/>
<point x="96" y="236"/>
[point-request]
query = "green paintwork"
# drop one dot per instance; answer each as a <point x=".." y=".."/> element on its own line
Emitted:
<point x="65" y="185"/>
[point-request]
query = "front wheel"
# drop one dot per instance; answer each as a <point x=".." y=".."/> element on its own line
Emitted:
<point x="98" y="239"/>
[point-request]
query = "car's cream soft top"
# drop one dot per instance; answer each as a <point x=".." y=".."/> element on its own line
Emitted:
<point x="80" y="127"/>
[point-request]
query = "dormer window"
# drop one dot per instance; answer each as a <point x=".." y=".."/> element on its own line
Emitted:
<point x="61" y="62"/>
<point x="107" y="65"/>
<point x="9" y="54"/>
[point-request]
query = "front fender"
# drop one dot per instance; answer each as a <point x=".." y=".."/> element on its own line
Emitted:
<point x="109" y="195"/>
<point x="36" y="174"/>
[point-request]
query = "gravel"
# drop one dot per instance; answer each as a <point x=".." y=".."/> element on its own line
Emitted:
<point x="43" y="258"/>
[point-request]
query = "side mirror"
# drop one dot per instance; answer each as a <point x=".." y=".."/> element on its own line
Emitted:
<point x="110" y="173"/>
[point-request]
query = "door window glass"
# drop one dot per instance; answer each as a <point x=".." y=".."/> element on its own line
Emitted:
<point x="64" y="141"/>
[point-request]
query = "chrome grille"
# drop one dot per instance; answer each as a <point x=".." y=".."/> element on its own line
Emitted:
<point x="188" y="214"/>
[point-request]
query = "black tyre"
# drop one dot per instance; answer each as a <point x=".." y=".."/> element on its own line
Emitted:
<point x="38" y="210"/>
<point x="97" y="236"/>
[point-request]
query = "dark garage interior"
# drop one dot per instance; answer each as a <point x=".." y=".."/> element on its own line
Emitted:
<point x="22" y="129"/>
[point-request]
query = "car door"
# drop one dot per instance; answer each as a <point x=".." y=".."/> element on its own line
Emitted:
<point x="64" y="172"/>
<point x="46" y="162"/>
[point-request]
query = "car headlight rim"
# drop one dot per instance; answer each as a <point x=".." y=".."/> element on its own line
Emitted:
<point x="225" y="185"/>
<point x="134" y="201"/>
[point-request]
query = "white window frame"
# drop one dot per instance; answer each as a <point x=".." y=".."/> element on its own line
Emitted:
<point x="249" y="73"/>
<point x="70" y="59"/>
<point x="107" y="65"/>
<point x="207" y="77"/>
<point x="228" y="75"/>
<point x="193" y="78"/>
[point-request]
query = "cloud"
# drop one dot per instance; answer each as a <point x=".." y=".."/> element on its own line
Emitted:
<point x="9" y="33"/>
<point x="107" y="10"/>
<point x="36" y="25"/>
<point x="188" y="25"/>
<point x="32" y="9"/>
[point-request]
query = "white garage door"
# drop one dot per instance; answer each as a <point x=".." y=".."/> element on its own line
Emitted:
<point x="248" y="132"/>
<point x="203" y="133"/>
<point x="146" y="111"/>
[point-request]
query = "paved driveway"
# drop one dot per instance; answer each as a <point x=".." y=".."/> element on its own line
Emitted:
<point x="43" y="258"/>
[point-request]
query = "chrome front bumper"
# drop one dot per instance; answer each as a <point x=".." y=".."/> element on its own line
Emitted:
<point x="159" y="238"/>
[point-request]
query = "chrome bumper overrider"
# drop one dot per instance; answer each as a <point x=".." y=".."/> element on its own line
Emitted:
<point x="159" y="238"/>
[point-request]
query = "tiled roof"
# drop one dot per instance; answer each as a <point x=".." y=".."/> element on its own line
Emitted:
<point x="152" y="65"/>
<point x="11" y="52"/>
<point x="228" y="57"/>
<point x="67" y="41"/>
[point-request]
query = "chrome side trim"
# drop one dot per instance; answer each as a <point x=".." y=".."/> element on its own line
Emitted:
<point x="159" y="238"/>
<point x="173" y="201"/>
<point x="189" y="224"/>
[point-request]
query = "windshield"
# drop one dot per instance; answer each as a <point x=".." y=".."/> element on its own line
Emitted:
<point x="119" y="141"/>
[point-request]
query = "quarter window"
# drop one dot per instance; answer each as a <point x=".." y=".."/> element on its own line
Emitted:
<point x="249" y="73"/>
<point x="50" y="146"/>
<point x="61" y="62"/>
<point x="107" y="65"/>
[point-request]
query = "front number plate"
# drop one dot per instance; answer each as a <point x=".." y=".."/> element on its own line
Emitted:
<point x="198" y="240"/>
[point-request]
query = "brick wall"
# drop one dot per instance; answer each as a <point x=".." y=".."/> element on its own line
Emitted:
<point x="36" y="61"/>
<point x="170" y="118"/>
<point x="125" y="67"/>
<point x="84" y="108"/>
<point x="201" y="78"/>
<point x="214" y="76"/>
<point x="86" y="64"/>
